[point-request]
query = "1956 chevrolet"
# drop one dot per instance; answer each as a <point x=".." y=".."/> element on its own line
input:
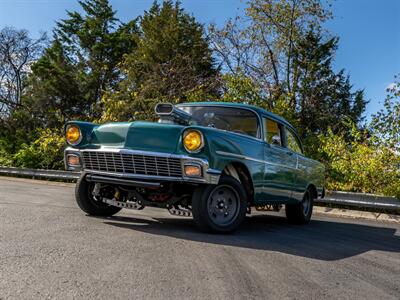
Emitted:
<point x="214" y="161"/>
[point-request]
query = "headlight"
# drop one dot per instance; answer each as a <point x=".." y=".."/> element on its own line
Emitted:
<point x="73" y="135"/>
<point x="193" y="140"/>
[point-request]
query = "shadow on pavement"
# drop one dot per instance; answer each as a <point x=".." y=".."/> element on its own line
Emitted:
<point x="324" y="240"/>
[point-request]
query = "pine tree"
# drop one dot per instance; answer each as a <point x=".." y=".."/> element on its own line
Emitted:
<point x="324" y="98"/>
<point x="172" y="62"/>
<point x="81" y="63"/>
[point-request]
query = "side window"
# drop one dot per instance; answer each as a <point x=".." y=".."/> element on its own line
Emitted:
<point x="272" y="132"/>
<point x="292" y="142"/>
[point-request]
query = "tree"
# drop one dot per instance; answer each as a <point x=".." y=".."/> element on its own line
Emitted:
<point x="69" y="79"/>
<point x="282" y="49"/>
<point x="55" y="93"/>
<point x="323" y="98"/>
<point x="262" y="46"/>
<point x="82" y="63"/>
<point x="172" y="62"/>
<point x="18" y="52"/>
<point x="386" y="123"/>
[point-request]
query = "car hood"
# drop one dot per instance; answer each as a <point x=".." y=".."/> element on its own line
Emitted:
<point x="145" y="136"/>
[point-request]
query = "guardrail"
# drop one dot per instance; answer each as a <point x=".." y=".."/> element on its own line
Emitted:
<point x="44" y="174"/>
<point x="359" y="200"/>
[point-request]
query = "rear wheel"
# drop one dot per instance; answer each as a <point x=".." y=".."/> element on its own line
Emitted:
<point x="87" y="201"/>
<point x="219" y="208"/>
<point x="300" y="213"/>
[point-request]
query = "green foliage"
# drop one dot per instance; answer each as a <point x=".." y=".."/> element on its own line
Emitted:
<point x="361" y="165"/>
<point x="172" y="63"/>
<point x="81" y="64"/>
<point x="239" y="88"/>
<point x="46" y="152"/>
<point x="262" y="44"/>
<point x="5" y="157"/>
<point x="322" y="98"/>
<point x="281" y="53"/>
<point x="55" y="92"/>
<point x="386" y="123"/>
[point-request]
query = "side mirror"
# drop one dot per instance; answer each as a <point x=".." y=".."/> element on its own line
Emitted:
<point x="276" y="140"/>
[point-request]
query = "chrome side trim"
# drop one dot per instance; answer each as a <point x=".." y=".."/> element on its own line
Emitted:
<point x="244" y="157"/>
<point x="239" y="156"/>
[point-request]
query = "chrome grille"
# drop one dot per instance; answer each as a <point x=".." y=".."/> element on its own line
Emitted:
<point x="132" y="163"/>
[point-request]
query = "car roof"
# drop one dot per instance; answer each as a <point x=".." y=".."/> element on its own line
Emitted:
<point x="260" y="111"/>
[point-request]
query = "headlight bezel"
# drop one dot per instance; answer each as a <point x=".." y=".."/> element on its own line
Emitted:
<point x="77" y="142"/>
<point x="186" y="133"/>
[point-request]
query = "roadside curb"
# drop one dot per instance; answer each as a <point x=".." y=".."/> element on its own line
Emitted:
<point x="356" y="214"/>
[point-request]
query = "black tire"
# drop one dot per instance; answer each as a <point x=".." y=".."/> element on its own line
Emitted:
<point x="300" y="213"/>
<point x="86" y="202"/>
<point x="230" y="214"/>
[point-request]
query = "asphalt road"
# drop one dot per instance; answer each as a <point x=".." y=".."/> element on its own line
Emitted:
<point x="50" y="249"/>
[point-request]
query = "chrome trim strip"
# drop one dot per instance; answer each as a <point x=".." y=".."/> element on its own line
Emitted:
<point x="253" y="159"/>
<point x="240" y="156"/>
<point x="214" y="172"/>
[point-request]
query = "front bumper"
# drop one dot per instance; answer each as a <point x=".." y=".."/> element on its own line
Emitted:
<point x="145" y="165"/>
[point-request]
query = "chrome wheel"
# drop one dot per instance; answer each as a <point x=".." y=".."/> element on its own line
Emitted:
<point x="223" y="205"/>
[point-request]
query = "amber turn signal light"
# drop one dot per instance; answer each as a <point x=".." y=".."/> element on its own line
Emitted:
<point x="73" y="135"/>
<point x="73" y="160"/>
<point x="192" y="170"/>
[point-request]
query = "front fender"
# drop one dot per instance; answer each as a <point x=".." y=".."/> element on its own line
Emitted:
<point x="223" y="148"/>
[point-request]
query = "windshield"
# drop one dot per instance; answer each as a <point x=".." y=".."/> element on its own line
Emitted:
<point x="233" y="119"/>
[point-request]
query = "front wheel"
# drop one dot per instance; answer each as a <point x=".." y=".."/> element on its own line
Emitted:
<point x="88" y="203"/>
<point x="219" y="208"/>
<point x="300" y="213"/>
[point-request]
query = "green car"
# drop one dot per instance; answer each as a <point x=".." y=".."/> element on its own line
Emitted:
<point x="213" y="161"/>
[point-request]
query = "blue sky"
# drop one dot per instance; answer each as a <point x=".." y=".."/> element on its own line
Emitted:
<point x="369" y="31"/>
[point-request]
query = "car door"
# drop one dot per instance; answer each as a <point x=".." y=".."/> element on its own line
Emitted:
<point x="279" y="163"/>
<point x="293" y="145"/>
